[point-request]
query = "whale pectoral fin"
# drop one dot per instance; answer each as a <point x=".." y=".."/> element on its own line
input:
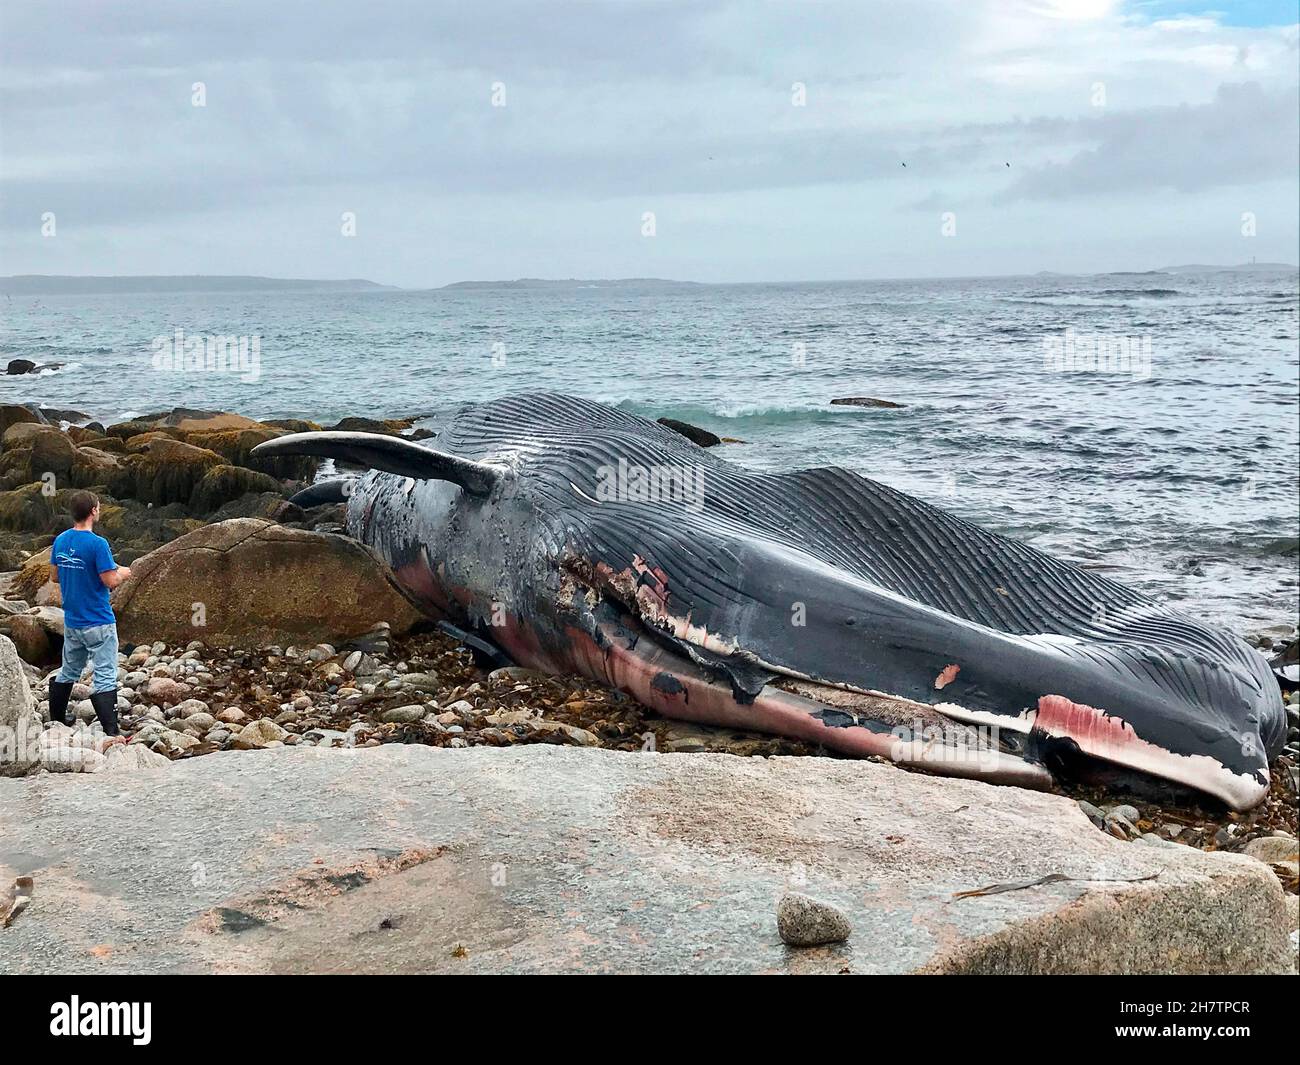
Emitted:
<point x="487" y="655"/>
<point x="391" y="454"/>
<point x="321" y="494"/>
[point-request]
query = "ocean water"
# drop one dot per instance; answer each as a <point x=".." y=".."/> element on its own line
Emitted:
<point x="1173" y="466"/>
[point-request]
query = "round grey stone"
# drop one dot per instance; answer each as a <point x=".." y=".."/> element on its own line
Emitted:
<point x="803" y="921"/>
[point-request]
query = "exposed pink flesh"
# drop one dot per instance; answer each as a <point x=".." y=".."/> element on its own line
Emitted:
<point x="1105" y="736"/>
<point x="691" y="695"/>
<point x="698" y="697"/>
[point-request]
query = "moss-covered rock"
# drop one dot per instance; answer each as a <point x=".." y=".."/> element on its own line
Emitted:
<point x="34" y="452"/>
<point x="390" y="426"/>
<point x="100" y="469"/>
<point x="140" y="442"/>
<point x="126" y="430"/>
<point x="35" y="581"/>
<point x="53" y="451"/>
<point x="27" y="509"/>
<point x="14" y="414"/>
<point x="169" y="470"/>
<point x="236" y="446"/>
<point x="270" y="506"/>
<point x="111" y="444"/>
<point x="82" y="436"/>
<point x="190" y="421"/>
<point x="132" y="528"/>
<point x="21" y="434"/>
<point x="293" y="425"/>
<point x="222" y="484"/>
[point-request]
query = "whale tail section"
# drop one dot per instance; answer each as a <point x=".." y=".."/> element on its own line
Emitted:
<point x="392" y="455"/>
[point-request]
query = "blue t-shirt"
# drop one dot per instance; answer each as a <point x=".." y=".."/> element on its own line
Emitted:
<point x="81" y="556"/>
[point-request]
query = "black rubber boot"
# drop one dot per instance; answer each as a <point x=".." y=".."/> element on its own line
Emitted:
<point x="105" y="704"/>
<point x="60" y="693"/>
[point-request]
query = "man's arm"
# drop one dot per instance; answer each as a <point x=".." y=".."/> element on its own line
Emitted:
<point x="113" y="577"/>
<point x="109" y="571"/>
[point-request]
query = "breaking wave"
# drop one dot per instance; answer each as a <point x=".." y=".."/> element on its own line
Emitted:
<point x="735" y="414"/>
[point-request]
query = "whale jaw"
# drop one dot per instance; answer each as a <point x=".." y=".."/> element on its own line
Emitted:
<point x="1098" y="734"/>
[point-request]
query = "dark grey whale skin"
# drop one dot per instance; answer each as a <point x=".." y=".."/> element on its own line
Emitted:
<point x="891" y="590"/>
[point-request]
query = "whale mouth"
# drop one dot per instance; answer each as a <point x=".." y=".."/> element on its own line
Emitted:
<point x="919" y="736"/>
<point x="1058" y="739"/>
<point x="1068" y="741"/>
<point x="1105" y="737"/>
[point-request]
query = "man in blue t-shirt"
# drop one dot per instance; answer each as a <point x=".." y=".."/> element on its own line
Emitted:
<point x="86" y="571"/>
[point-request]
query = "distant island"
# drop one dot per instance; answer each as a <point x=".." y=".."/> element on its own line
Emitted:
<point x="57" y="284"/>
<point x="575" y="282"/>
<point x="1189" y="268"/>
<point x="67" y="284"/>
<point x="1240" y="268"/>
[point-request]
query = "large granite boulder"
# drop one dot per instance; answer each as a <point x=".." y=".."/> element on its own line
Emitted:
<point x="30" y="639"/>
<point x="248" y="582"/>
<point x="20" y="727"/>
<point x="15" y="690"/>
<point x="559" y="859"/>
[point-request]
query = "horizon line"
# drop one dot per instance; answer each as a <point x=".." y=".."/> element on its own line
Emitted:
<point x="626" y="280"/>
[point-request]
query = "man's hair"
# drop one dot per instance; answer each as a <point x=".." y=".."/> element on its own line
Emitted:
<point x="81" y="504"/>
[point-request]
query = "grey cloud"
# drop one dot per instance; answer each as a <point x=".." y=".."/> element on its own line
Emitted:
<point x="315" y="108"/>
<point x="1245" y="135"/>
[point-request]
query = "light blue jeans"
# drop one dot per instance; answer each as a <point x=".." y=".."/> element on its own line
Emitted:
<point x="98" y="644"/>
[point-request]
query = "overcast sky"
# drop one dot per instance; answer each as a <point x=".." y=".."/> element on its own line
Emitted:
<point x="1138" y="133"/>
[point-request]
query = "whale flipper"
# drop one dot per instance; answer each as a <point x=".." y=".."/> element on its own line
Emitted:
<point x="321" y="494"/>
<point x="391" y="454"/>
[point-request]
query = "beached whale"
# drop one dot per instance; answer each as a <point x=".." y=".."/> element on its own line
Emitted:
<point x="815" y="604"/>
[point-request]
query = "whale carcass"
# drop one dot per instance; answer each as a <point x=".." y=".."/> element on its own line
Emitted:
<point x="815" y="604"/>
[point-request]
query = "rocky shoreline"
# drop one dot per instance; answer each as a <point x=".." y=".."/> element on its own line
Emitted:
<point x="319" y="648"/>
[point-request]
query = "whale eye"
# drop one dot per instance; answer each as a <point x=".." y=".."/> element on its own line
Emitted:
<point x="850" y="621"/>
